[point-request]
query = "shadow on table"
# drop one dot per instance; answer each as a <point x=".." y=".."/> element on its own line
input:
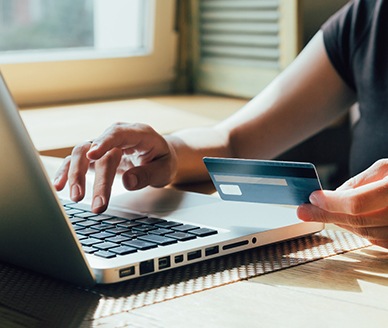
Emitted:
<point x="28" y="299"/>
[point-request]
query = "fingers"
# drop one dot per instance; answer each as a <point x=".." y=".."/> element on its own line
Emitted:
<point x="147" y="174"/>
<point x="105" y="171"/>
<point x="372" y="226"/>
<point x="145" y="156"/>
<point x="378" y="171"/>
<point x="60" y="177"/>
<point x="78" y="168"/>
<point x="131" y="138"/>
<point x="363" y="199"/>
<point x="137" y="151"/>
<point x="374" y="235"/>
<point x="307" y="212"/>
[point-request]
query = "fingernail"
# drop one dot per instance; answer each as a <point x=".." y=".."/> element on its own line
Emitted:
<point x="132" y="180"/>
<point x="314" y="199"/>
<point x="98" y="202"/>
<point x="75" y="192"/>
<point x="91" y="149"/>
<point x="56" y="181"/>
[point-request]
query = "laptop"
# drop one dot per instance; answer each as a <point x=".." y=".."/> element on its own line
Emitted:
<point x="142" y="232"/>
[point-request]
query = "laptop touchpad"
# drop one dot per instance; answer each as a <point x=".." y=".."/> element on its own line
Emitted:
<point x="160" y="200"/>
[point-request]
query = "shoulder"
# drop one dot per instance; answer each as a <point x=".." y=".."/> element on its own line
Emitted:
<point x="347" y="29"/>
<point x="356" y="17"/>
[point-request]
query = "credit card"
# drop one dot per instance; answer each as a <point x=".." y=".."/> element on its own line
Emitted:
<point x="262" y="181"/>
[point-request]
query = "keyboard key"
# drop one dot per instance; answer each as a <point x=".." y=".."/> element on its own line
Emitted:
<point x="144" y="228"/>
<point x="115" y="221"/>
<point x="72" y="211"/>
<point x="181" y="236"/>
<point x="133" y="234"/>
<point x="140" y="244"/>
<point x="89" y="249"/>
<point x="151" y="220"/>
<point x="203" y="232"/>
<point x="160" y="240"/>
<point x="168" y="224"/>
<point x="90" y="241"/>
<point x="86" y="223"/>
<point x="80" y="237"/>
<point x="105" y="245"/>
<point x="87" y="231"/>
<point x="185" y="227"/>
<point x="80" y="206"/>
<point x="66" y="202"/>
<point x="101" y="217"/>
<point x="117" y="230"/>
<point x="128" y="224"/>
<point x="103" y="226"/>
<point x="76" y="220"/>
<point x="102" y="235"/>
<point x="118" y="239"/>
<point x="105" y="254"/>
<point x="85" y="215"/>
<point x="123" y="250"/>
<point x="161" y="231"/>
<point x="133" y="216"/>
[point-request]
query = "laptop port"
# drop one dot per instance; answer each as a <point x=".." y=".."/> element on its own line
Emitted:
<point x="212" y="250"/>
<point x="178" y="258"/>
<point x="235" y="245"/>
<point x="194" y="255"/>
<point x="127" y="272"/>
<point x="147" y="267"/>
<point x="164" y="262"/>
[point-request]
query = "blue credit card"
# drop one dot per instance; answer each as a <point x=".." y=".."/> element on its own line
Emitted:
<point x="259" y="181"/>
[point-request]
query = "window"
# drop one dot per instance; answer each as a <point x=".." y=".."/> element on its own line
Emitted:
<point x="60" y="50"/>
<point x="33" y="30"/>
<point x="244" y="45"/>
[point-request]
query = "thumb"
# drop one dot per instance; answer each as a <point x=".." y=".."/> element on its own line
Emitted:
<point x="155" y="174"/>
<point x="327" y="200"/>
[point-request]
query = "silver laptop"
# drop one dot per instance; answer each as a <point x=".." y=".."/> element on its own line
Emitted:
<point x="143" y="232"/>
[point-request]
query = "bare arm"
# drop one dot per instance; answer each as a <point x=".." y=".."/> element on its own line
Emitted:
<point x="304" y="99"/>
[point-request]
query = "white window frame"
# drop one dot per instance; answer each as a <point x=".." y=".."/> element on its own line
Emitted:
<point x="55" y="81"/>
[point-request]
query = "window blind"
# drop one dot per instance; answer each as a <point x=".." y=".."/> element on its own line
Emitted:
<point x="241" y="43"/>
<point x="240" y="32"/>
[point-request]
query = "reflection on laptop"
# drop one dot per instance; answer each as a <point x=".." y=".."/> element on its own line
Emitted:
<point x="143" y="232"/>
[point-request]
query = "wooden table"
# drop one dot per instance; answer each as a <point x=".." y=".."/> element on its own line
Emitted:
<point x="347" y="290"/>
<point x="56" y="130"/>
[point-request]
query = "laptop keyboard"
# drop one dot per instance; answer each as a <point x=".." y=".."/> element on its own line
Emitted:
<point x="109" y="236"/>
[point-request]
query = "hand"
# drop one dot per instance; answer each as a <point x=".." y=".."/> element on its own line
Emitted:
<point x="136" y="151"/>
<point x="360" y="205"/>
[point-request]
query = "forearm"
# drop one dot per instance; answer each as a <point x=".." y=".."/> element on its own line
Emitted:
<point x="191" y="145"/>
<point x="301" y="101"/>
<point x="304" y="99"/>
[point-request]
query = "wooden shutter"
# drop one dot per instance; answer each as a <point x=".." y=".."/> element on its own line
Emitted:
<point x="244" y="44"/>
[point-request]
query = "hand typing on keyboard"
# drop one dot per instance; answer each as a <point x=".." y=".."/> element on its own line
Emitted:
<point x="136" y="151"/>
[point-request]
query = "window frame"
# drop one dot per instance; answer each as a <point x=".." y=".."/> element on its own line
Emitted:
<point x="51" y="82"/>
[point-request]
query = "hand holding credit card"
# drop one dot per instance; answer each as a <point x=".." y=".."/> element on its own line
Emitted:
<point x="259" y="181"/>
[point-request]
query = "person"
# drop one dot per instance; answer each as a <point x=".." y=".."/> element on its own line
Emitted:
<point x="345" y="63"/>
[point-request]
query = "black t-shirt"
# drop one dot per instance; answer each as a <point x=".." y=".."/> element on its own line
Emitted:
<point x="356" y="40"/>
